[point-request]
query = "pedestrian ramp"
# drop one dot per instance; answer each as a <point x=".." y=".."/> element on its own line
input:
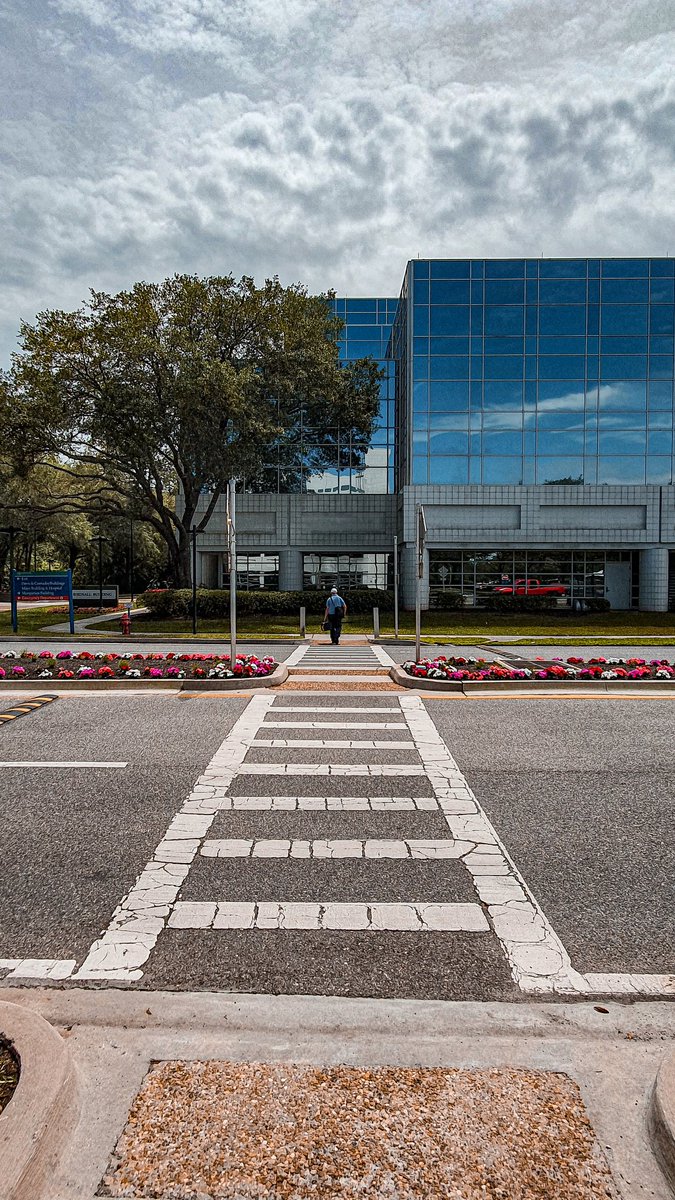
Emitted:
<point x="342" y="667"/>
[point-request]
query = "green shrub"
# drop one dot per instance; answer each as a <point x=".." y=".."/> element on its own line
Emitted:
<point x="448" y="601"/>
<point x="504" y="602"/>
<point x="596" y="604"/>
<point x="214" y="603"/>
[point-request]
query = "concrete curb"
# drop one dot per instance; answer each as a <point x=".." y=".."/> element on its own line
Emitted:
<point x="661" y="1118"/>
<point x="121" y="685"/>
<point x="39" y="1118"/>
<point x="469" y="687"/>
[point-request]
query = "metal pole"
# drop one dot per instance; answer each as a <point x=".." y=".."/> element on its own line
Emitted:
<point x="194" y="579"/>
<point x="232" y="543"/>
<point x="14" y="605"/>
<point x="100" y="573"/>
<point x="303" y="621"/>
<point x="418" y="599"/>
<point x="131" y="560"/>
<point x="376" y="623"/>
<point x="395" y="587"/>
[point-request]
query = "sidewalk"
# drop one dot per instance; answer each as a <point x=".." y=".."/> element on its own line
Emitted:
<point x="610" y="1052"/>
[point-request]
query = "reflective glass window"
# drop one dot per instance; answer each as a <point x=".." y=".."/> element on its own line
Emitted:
<point x="442" y="422"/>
<point x="562" y="291"/>
<point x="503" y="319"/>
<point x="449" y="345"/>
<point x="420" y="366"/>
<point x="420" y="319"/>
<point x="450" y="395"/>
<point x="659" y="470"/>
<point x="659" y="442"/>
<point x="660" y="394"/>
<point x="421" y="269"/>
<point x="448" y="291"/>
<point x="660" y="419"/>
<point x="661" y="366"/>
<point x="662" y="318"/>
<point x="621" y="470"/>
<point x="420" y="345"/>
<point x="503" y="394"/>
<point x="505" y="268"/>
<point x="623" y="366"/>
<point x="662" y="291"/>
<point x="502" y="292"/>
<point x="502" y="470"/>
<point x="366" y="307"/>
<point x="503" y="366"/>
<point x="506" y="442"/>
<point x="626" y="441"/>
<point x="559" y="470"/>
<point x="421" y="291"/>
<point x="449" y="442"/>
<point x="450" y="268"/>
<point x="662" y="344"/>
<point x="531" y="316"/>
<point x="477" y="268"/>
<point x="531" y="291"/>
<point x="624" y="318"/>
<point x="624" y="267"/>
<point x="503" y="345"/>
<point x="448" y="319"/>
<point x="593" y="291"/>
<point x="561" y="344"/>
<point x="476" y="291"/>
<point x="593" y="318"/>
<point x="448" y="470"/>
<point x="621" y="395"/>
<point x="532" y="268"/>
<point x="561" y="366"/>
<point x="444" y="367"/>
<point x="559" y="419"/>
<point x="625" y="291"/>
<point x="562" y="268"/>
<point x="565" y="318"/>
<point x="611" y="421"/>
<point x="560" y="442"/>
<point x="420" y="396"/>
<point x="420" y="469"/>
<point x="623" y="345"/>
<point x="503" y="420"/>
<point x="363" y="349"/>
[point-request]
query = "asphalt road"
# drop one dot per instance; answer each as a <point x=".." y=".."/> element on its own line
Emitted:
<point x="581" y="793"/>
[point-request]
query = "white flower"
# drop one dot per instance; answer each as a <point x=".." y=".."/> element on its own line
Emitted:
<point x="46" y="675"/>
<point x="133" y="675"/>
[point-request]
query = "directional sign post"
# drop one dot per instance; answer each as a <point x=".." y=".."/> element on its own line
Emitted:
<point x="420" y="540"/>
<point x="41" y="585"/>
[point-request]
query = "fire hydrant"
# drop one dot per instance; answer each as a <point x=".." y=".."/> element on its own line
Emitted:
<point x="126" y="622"/>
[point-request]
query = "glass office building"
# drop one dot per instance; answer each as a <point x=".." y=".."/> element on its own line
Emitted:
<point x="527" y="371"/>
<point x="526" y="403"/>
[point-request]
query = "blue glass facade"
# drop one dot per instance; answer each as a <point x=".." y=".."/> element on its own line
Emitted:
<point x="533" y="371"/>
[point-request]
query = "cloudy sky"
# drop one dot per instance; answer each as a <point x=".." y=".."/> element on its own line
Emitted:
<point x="325" y="140"/>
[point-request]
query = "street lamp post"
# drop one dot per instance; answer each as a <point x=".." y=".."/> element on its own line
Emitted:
<point x="131" y="559"/>
<point x="100" y="539"/>
<point x="11" y="531"/>
<point x="194" y="579"/>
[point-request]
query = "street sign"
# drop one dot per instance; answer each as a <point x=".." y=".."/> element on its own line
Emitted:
<point x="421" y="540"/>
<point x="109" y="595"/>
<point x="41" y="585"/>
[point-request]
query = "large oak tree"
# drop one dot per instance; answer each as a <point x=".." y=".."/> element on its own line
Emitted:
<point x="164" y="392"/>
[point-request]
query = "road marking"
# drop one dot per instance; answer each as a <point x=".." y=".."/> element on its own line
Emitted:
<point x="377" y="917"/>
<point x="329" y="769"/>
<point x="536" y="956"/>
<point x="323" y="803"/>
<point x="139" y="919"/>
<point x="333" y="744"/>
<point x="335" y="725"/>
<point x="333" y="848"/>
<point x="381" y="655"/>
<point x="38" y="968"/>
<point x="631" y="985"/>
<point x="34" y="763"/>
<point x="296" y="655"/>
<point x="331" y="708"/>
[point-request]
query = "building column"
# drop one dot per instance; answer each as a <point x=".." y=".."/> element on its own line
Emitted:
<point x="654" y="579"/>
<point x="290" y="571"/>
<point x="408" y="579"/>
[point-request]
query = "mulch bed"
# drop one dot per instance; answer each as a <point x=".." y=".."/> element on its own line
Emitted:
<point x="82" y="664"/>
<point x="9" y="1074"/>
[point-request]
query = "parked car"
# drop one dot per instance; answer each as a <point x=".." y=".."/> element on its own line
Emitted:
<point x="531" y="587"/>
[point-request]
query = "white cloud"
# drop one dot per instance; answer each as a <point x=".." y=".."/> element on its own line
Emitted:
<point x="326" y="141"/>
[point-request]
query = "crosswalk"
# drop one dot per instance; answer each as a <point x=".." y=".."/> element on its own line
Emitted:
<point x="341" y="666"/>
<point x="319" y="835"/>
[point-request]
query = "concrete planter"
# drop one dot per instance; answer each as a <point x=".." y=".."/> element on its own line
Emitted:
<point x="279" y="675"/>
<point x="468" y="687"/>
<point x="38" y="1119"/>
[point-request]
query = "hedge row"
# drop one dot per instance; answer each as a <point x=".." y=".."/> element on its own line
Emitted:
<point x="177" y="602"/>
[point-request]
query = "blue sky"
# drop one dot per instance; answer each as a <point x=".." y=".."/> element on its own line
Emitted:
<point x="325" y="140"/>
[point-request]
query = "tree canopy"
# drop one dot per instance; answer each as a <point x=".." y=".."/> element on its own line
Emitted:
<point x="157" y="396"/>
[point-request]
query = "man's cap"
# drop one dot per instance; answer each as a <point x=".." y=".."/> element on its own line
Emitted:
<point x="333" y="591"/>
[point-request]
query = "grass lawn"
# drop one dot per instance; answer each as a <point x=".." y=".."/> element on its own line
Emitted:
<point x="458" y="627"/>
<point x="32" y="620"/>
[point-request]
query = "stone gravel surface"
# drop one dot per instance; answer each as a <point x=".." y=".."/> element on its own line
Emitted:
<point x="235" y="1131"/>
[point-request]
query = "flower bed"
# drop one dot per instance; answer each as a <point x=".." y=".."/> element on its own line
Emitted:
<point x="69" y="664"/>
<point x="458" y="670"/>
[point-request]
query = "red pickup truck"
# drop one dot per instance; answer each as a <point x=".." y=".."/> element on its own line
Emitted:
<point x="531" y="587"/>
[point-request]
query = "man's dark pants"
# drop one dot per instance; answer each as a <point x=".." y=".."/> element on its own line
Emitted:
<point x="335" y="629"/>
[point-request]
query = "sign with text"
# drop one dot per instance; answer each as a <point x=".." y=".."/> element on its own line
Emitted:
<point x="41" y="585"/>
<point x="108" y="595"/>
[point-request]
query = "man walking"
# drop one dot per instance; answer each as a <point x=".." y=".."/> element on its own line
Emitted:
<point x="336" y="611"/>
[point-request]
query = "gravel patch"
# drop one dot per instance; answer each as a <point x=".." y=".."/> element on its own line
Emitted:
<point x="235" y="1131"/>
<point x="9" y="1074"/>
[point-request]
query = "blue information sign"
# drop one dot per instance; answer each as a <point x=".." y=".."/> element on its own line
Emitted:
<point x="42" y="585"/>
